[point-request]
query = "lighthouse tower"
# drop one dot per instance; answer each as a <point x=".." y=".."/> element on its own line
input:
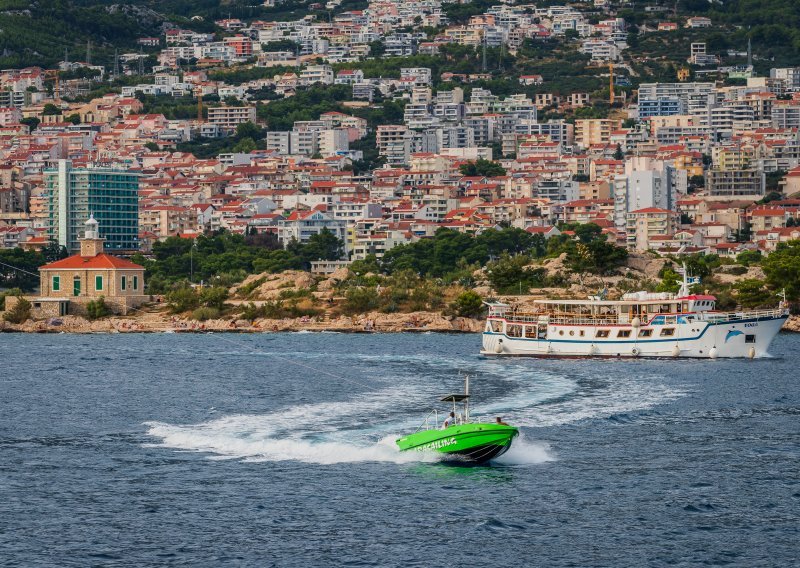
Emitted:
<point x="91" y="243"/>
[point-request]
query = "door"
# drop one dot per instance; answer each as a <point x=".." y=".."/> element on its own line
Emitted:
<point x="76" y="287"/>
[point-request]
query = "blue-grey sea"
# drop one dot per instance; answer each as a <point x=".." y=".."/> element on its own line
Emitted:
<point x="278" y="450"/>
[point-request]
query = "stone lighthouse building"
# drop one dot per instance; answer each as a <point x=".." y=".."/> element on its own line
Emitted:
<point x="67" y="285"/>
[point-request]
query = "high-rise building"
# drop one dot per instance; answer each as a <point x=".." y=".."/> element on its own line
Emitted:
<point x="111" y="195"/>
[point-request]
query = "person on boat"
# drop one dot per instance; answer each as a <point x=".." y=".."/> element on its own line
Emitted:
<point x="449" y="421"/>
<point x="500" y="422"/>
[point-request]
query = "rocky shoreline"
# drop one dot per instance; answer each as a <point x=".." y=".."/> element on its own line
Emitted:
<point x="374" y="322"/>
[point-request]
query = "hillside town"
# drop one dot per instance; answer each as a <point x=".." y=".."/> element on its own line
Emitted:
<point x="707" y="164"/>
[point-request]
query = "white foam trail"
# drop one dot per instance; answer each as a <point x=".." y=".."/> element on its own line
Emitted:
<point x="524" y="452"/>
<point x="258" y="448"/>
<point x="622" y="396"/>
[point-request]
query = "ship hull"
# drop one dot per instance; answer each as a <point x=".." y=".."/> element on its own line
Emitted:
<point x="475" y="443"/>
<point x="743" y="338"/>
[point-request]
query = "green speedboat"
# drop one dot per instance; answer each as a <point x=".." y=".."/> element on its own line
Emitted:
<point x="462" y="439"/>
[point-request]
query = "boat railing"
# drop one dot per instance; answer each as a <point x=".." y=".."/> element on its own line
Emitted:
<point x="562" y="318"/>
<point x="716" y="317"/>
<point x="434" y="413"/>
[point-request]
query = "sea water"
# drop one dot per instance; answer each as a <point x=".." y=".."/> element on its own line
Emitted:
<point x="278" y="450"/>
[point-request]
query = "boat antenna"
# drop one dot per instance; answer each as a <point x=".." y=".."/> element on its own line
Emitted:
<point x="466" y="400"/>
<point x="684" y="291"/>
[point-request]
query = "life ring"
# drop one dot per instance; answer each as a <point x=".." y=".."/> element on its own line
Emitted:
<point x="635" y="351"/>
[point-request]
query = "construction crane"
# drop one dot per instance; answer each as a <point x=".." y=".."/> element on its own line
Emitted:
<point x="53" y="74"/>
<point x="611" y="84"/>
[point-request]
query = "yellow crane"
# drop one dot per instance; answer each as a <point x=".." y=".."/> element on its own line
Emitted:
<point x="611" y="84"/>
<point x="53" y="74"/>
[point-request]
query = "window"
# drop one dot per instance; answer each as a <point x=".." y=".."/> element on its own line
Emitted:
<point x="123" y="283"/>
<point x="514" y="330"/>
<point x="658" y="320"/>
<point x="602" y="333"/>
<point x="645" y="332"/>
<point x="135" y="282"/>
<point x="98" y="283"/>
<point x="668" y="332"/>
<point x="749" y="338"/>
<point x="56" y="283"/>
<point x="624" y="333"/>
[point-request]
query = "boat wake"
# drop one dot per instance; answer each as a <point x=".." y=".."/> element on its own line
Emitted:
<point x="365" y="427"/>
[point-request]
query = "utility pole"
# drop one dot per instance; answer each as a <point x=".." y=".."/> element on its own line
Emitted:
<point x="483" y="67"/>
<point x="116" y="63"/>
<point x="141" y="61"/>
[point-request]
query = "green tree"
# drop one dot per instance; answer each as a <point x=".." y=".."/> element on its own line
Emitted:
<point x="32" y="122"/>
<point x="50" y="109"/>
<point x="214" y="297"/>
<point x="482" y="167"/>
<point x="182" y="299"/>
<point x="467" y="304"/>
<point x="97" y="309"/>
<point x="749" y="257"/>
<point x="20" y="313"/>
<point x="245" y="146"/>
<point x="751" y="293"/>
<point x="511" y="274"/>
<point x="359" y="300"/>
<point x="782" y="269"/>
<point x="322" y="246"/>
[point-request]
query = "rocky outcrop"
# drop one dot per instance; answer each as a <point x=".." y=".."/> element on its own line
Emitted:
<point x="792" y="324"/>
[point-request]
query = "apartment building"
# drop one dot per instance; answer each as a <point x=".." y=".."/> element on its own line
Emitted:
<point x="229" y="117"/>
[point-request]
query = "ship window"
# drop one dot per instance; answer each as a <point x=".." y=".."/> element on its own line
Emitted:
<point x="645" y="332"/>
<point x="497" y="326"/>
<point x="530" y="331"/>
<point x="749" y="338"/>
<point x="572" y="332"/>
<point x="658" y="320"/>
<point x="514" y="330"/>
<point x="581" y="333"/>
<point x="671" y="319"/>
<point x="668" y="332"/>
<point x="602" y="333"/>
<point x="624" y="333"/>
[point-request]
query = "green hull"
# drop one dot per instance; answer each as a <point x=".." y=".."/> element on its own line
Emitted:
<point x="472" y="442"/>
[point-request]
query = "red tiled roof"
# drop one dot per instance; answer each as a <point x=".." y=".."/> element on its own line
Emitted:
<point x="100" y="261"/>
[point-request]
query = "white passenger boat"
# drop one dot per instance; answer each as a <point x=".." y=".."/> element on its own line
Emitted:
<point x="641" y="324"/>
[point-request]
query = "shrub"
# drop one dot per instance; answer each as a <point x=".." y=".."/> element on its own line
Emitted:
<point x="360" y="300"/>
<point x="214" y="297"/>
<point x="467" y="304"/>
<point x="20" y="313"/>
<point x="4" y="295"/>
<point x="736" y="270"/>
<point x="247" y="289"/>
<point x="206" y="313"/>
<point x="748" y="257"/>
<point x="182" y="299"/>
<point x="97" y="309"/>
